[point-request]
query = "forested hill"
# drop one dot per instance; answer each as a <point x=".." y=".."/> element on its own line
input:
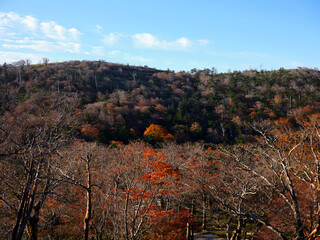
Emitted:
<point x="118" y="102"/>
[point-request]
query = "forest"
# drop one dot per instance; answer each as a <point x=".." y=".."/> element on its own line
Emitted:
<point x="105" y="151"/>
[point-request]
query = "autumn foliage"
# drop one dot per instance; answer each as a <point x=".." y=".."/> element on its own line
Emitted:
<point x="168" y="225"/>
<point x="78" y="158"/>
<point x="157" y="133"/>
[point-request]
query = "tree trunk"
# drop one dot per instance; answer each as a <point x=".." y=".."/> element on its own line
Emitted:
<point x="33" y="223"/>
<point x="22" y="208"/>
<point x="228" y="230"/>
<point x="58" y="86"/>
<point x="34" y="220"/>
<point x="96" y="82"/>
<point x="298" y="222"/>
<point x="192" y="208"/>
<point x="126" y="216"/>
<point x="294" y="206"/>
<point x="204" y="215"/>
<point x="26" y="204"/>
<point x="237" y="234"/>
<point x="69" y="83"/>
<point x="87" y="217"/>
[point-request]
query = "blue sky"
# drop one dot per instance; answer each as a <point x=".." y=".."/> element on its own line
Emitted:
<point x="174" y="34"/>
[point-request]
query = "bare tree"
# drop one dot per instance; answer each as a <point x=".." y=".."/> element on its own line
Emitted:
<point x="27" y="153"/>
<point x="20" y="67"/>
<point x="275" y="166"/>
<point x="45" y="61"/>
<point x="80" y="167"/>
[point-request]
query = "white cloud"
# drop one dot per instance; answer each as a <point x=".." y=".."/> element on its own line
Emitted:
<point x="184" y="42"/>
<point x="12" y="19"/>
<point x="58" y="32"/>
<point x="98" y="27"/>
<point x="30" y="22"/>
<point x="74" y="33"/>
<point x="147" y="40"/>
<point x="27" y="32"/>
<point x="42" y="45"/>
<point x="111" y="39"/>
<point x="12" y="16"/>
<point x="4" y="20"/>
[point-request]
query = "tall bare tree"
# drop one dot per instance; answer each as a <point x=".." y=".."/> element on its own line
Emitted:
<point x="27" y="153"/>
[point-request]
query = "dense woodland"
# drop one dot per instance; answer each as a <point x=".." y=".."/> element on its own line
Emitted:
<point x="96" y="150"/>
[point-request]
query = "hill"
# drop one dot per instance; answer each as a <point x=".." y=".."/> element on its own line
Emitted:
<point x="65" y="173"/>
<point x="120" y="101"/>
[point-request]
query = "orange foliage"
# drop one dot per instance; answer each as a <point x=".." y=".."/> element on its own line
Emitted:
<point x="160" y="172"/>
<point x="252" y="114"/>
<point x="272" y="115"/>
<point x="149" y="153"/>
<point x="315" y="118"/>
<point x="277" y="99"/>
<point x="170" y="137"/>
<point x="168" y="225"/>
<point x="307" y="109"/>
<point x="282" y="122"/>
<point x="143" y="175"/>
<point x="155" y="133"/>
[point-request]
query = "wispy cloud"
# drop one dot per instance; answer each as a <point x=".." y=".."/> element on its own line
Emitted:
<point x="58" y="32"/>
<point x="112" y="38"/>
<point x="42" y="45"/>
<point x="147" y="40"/>
<point x="30" y="22"/>
<point x="12" y="19"/>
<point x="98" y="27"/>
<point x="28" y="32"/>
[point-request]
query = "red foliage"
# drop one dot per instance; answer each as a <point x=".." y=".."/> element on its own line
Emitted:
<point x="168" y="225"/>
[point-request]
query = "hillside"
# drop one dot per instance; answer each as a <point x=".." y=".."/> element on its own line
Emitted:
<point x="96" y="150"/>
<point x="120" y="101"/>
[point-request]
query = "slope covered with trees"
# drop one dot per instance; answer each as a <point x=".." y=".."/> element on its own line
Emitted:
<point x="118" y="102"/>
<point x="110" y="151"/>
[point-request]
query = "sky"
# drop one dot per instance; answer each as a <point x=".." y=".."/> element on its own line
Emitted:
<point x="178" y="35"/>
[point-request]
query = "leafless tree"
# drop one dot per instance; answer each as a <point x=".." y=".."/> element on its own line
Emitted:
<point x="27" y="153"/>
